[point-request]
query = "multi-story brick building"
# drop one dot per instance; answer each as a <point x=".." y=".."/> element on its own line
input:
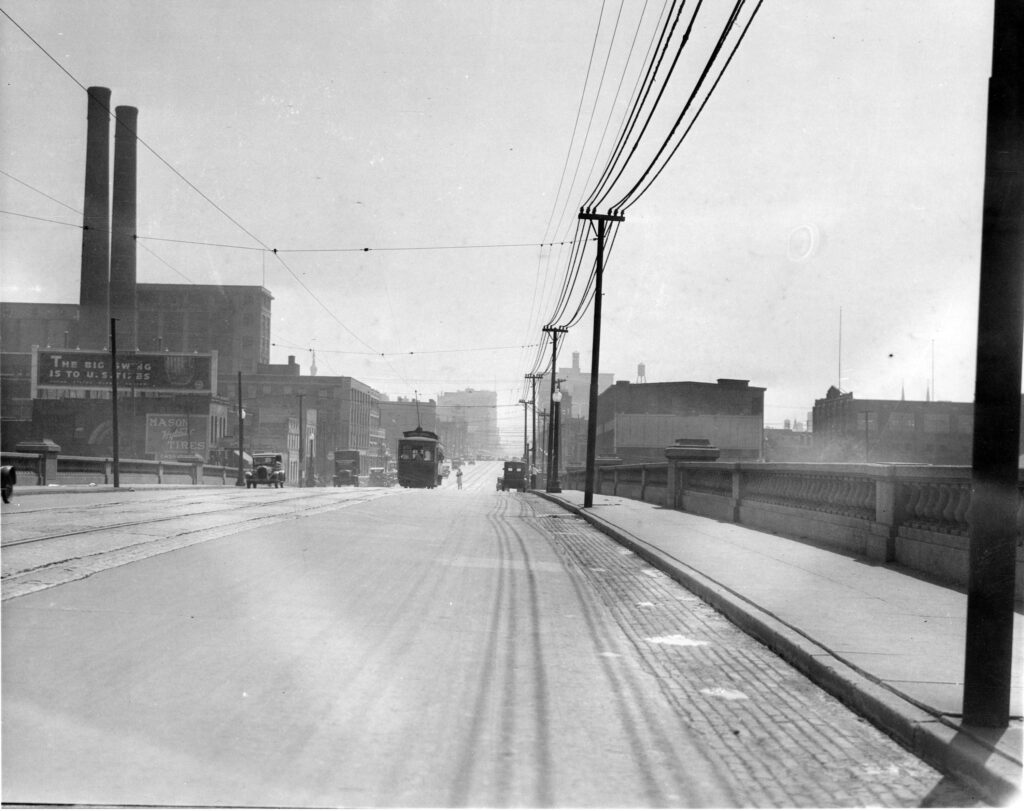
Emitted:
<point x="332" y="413"/>
<point x="847" y="429"/>
<point x="637" y="421"/>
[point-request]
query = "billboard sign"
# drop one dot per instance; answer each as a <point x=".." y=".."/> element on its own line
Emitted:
<point x="163" y="372"/>
<point x="172" y="435"/>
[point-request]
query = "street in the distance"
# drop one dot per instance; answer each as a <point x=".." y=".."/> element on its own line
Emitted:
<point x="409" y="648"/>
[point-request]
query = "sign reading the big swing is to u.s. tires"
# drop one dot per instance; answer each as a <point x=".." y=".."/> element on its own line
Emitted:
<point x="163" y="372"/>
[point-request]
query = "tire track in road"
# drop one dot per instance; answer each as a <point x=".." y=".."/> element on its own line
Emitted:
<point x="514" y="676"/>
<point x="470" y="762"/>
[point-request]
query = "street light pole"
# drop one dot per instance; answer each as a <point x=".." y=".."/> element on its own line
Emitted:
<point x="555" y="486"/>
<point x="600" y="219"/>
<point x="554" y="332"/>
<point x="526" y="436"/>
<point x="533" y="404"/>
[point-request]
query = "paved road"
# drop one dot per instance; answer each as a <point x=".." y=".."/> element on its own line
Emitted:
<point x="399" y="648"/>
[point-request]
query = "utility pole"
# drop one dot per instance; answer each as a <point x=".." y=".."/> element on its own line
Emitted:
<point x="994" y="496"/>
<point x="240" y="481"/>
<point x="116" y="441"/>
<point x="595" y="359"/>
<point x="533" y="400"/>
<point x="552" y="473"/>
<point x="302" y="442"/>
<point x="526" y="435"/>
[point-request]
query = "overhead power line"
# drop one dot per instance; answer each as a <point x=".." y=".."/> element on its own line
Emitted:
<point x="409" y="352"/>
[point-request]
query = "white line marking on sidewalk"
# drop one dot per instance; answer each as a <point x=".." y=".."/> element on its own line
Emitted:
<point x="677" y="639"/>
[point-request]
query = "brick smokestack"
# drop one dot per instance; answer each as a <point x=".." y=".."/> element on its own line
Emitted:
<point x="123" y="303"/>
<point x="94" y="326"/>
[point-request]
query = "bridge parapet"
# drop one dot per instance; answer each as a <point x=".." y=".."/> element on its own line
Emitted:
<point x="914" y="515"/>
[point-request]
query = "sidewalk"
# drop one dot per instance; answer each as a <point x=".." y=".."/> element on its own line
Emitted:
<point x="886" y="643"/>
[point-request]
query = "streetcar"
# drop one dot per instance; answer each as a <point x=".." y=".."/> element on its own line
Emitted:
<point x="420" y="458"/>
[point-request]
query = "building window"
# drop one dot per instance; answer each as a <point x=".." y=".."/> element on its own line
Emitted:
<point x="901" y="421"/>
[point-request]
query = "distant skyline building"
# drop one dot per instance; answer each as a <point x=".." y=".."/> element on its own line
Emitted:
<point x="469" y="421"/>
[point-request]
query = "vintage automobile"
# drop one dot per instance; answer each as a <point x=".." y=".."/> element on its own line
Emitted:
<point x="380" y="478"/>
<point x="347" y="466"/>
<point x="266" y="469"/>
<point x="9" y="479"/>
<point x="514" y="477"/>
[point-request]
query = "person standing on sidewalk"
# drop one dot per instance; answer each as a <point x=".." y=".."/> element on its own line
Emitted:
<point x="458" y="477"/>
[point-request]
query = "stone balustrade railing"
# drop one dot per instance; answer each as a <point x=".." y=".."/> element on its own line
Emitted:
<point x="914" y="515"/>
<point x="52" y="468"/>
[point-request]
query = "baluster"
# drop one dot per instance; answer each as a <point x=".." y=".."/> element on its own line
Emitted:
<point x="931" y="503"/>
<point x="950" y="497"/>
<point x="914" y="493"/>
<point x="868" y="496"/>
<point x="963" y="504"/>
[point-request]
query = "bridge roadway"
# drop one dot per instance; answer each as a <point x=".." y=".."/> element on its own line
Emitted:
<point x="386" y="647"/>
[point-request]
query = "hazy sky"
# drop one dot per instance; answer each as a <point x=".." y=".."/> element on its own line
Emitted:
<point x="414" y="127"/>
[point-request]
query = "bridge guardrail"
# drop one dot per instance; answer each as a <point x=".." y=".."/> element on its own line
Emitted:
<point x="913" y="515"/>
<point x="33" y="469"/>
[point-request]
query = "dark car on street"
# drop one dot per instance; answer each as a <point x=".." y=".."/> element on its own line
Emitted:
<point x="266" y="469"/>
<point x="514" y="477"/>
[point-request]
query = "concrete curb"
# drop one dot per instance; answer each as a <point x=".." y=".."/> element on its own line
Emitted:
<point x="943" y="745"/>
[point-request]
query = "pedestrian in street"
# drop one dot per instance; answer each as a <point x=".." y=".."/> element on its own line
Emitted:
<point x="458" y="477"/>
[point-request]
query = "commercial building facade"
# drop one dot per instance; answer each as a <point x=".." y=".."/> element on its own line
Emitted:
<point x="637" y="421"/>
<point x="847" y="429"/>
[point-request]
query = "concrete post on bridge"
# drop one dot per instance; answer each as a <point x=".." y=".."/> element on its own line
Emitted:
<point x="48" y="451"/>
<point x="881" y="544"/>
<point x="685" y="450"/>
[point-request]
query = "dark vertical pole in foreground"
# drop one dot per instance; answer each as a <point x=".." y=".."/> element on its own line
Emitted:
<point x="116" y="435"/>
<point x="994" y="494"/>
<point x="595" y="354"/>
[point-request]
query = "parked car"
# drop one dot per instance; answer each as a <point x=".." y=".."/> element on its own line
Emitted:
<point x="266" y="469"/>
<point x="8" y="478"/>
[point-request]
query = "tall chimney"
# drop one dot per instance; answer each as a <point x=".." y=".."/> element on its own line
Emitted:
<point x="93" y="302"/>
<point x="123" y="303"/>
